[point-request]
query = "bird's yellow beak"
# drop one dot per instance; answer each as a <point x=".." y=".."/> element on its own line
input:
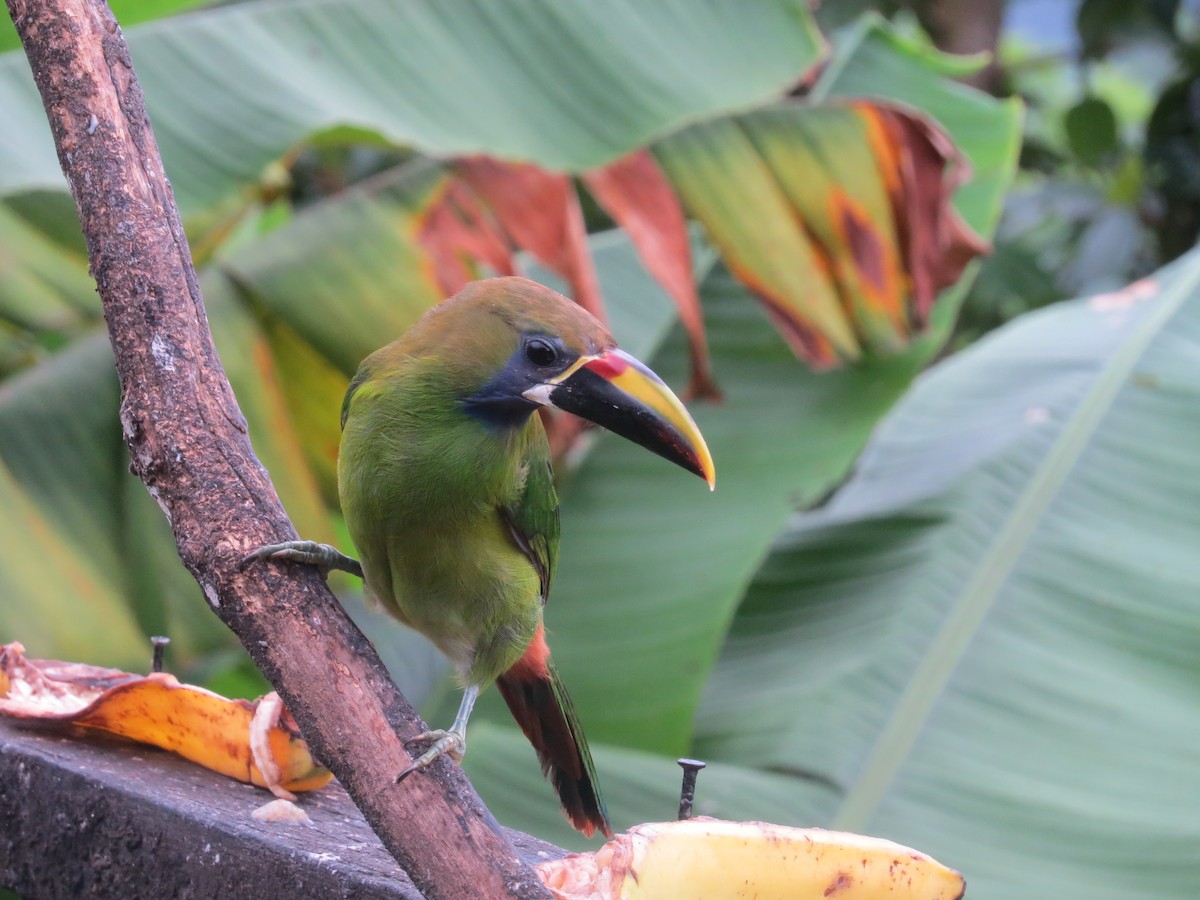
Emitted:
<point x="617" y="392"/>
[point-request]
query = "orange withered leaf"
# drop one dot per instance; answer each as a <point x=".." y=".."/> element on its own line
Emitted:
<point x="636" y="193"/>
<point x="253" y="741"/>
<point x="539" y="211"/>
<point x="458" y="233"/>
<point x="839" y="217"/>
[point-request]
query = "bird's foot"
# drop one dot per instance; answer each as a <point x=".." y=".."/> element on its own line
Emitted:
<point x="310" y="553"/>
<point x="445" y="743"/>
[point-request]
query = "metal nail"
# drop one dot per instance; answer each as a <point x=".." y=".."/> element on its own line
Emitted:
<point x="160" y="644"/>
<point x="687" y="793"/>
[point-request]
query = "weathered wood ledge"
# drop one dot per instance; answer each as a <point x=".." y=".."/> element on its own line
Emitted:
<point x="93" y="818"/>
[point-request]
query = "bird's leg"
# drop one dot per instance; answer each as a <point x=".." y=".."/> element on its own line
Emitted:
<point x="452" y="743"/>
<point x="310" y="553"/>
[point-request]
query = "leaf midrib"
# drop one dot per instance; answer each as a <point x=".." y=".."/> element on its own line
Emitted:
<point x="915" y="704"/>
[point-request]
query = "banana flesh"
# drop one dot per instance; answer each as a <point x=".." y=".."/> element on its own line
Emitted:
<point x="711" y="859"/>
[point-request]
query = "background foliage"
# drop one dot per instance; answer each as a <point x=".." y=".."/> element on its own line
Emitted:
<point x="982" y="645"/>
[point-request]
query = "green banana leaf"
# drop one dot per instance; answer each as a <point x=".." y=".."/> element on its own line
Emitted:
<point x="985" y="644"/>
<point x="60" y="441"/>
<point x="44" y="286"/>
<point x="566" y="85"/>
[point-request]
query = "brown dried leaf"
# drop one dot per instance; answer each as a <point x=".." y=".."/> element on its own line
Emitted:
<point x="922" y="169"/>
<point x="458" y="233"/>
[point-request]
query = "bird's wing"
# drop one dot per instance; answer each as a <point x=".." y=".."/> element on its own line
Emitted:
<point x="533" y="518"/>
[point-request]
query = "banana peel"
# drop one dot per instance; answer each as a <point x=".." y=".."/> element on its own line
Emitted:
<point x="257" y="741"/>
<point x="712" y="859"/>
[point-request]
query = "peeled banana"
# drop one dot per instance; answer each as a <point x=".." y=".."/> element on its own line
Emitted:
<point x="711" y="859"/>
<point x="257" y="741"/>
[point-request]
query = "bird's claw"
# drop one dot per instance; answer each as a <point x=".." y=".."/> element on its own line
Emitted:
<point x="311" y="553"/>
<point x="445" y="743"/>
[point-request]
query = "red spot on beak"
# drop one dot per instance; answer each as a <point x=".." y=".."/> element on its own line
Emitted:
<point x="608" y="366"/>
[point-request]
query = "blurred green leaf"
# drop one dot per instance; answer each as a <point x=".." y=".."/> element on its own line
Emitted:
<point x="246" y="355"/>
<point x="346" y="275"/>
<point x="1011" y="281"/>
<point x="59" y="600"/>
<point x="44" y="287"/>
<point x="60" y="439"/>
<point x="1091" y="128"/>
<point x="62" y="486"/>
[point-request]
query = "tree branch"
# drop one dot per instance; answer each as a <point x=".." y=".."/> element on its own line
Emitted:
<point x="187" y="440"/>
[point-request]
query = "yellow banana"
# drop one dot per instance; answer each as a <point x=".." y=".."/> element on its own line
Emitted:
<point x="711" y="859"/>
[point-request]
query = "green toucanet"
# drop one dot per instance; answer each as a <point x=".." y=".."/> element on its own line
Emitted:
<point x="445" y="482"/>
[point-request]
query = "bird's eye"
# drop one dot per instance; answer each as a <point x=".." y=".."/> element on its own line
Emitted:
<point x="541" y="352"/>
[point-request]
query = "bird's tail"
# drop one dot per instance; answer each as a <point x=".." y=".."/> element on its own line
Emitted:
<point x="542" y="708"/>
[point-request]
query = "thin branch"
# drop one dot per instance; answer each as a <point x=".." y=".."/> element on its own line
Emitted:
<point x="187" y="441"/>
